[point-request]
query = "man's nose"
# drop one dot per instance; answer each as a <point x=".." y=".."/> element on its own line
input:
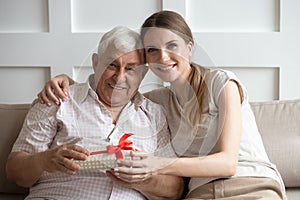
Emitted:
<point x="120" y="74"/>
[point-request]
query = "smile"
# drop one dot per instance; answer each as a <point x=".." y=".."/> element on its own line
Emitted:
<point x="166" y="68"/>
<point x="115" y="87"/>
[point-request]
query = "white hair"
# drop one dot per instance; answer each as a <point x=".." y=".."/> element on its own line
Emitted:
<point x="123" y="39"/>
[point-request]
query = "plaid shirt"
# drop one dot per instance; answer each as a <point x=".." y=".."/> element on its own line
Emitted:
<point x="85" y="121"/>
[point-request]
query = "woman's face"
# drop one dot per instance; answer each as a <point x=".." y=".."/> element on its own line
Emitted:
<point x="167" y="54"/>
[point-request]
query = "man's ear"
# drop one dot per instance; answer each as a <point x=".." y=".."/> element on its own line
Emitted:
<point x="95" y="61"/>
<point x="145" y="70"/>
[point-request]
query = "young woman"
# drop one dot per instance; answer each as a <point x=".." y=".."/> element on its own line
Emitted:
<point x="213" y="129"/>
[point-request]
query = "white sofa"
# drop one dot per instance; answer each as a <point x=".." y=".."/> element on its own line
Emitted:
<point x="278" y="121"/>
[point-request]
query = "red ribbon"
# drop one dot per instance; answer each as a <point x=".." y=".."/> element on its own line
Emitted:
<point x="122" y="145"/>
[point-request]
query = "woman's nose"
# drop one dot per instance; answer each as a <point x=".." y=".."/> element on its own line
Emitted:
<point x="164" y="55"/>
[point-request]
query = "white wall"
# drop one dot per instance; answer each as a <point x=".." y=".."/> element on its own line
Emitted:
<point x="257" y="39"/>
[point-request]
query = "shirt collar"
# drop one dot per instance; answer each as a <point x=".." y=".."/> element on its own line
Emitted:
<point x="85" y="89"/>
<point x="138" y="100"/>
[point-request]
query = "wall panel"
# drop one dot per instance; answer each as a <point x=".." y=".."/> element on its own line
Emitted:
<point x="17" y="16"/>
<point x="233" y="15"/>
<point x="103" y="15"/>
<point x="262" y="83"/>
<point x="21" y="84"/>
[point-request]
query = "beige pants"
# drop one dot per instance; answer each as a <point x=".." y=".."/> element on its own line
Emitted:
<point x="242" y="188"/>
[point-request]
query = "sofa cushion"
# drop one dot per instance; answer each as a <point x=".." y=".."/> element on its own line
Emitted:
<point x="279" y="125"/>
<point x="11" y="120"/>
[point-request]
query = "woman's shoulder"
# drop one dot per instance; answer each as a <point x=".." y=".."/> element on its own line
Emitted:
<point x="218" y="72"/>
<point x="218" y="76"/>
<point x="158" y="94"/>
<point x="213" y="73"/>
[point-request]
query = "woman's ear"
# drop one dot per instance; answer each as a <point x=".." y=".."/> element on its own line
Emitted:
<point x="190" y="46"/>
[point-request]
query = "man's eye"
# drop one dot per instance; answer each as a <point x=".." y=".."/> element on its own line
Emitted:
<point x="150" y="50"/>
<point x="112" y="66"/>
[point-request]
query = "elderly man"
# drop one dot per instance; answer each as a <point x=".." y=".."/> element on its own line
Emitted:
<point x="97" y="113"/>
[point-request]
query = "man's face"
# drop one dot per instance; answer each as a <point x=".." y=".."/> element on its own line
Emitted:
<point x="119" y="76"/>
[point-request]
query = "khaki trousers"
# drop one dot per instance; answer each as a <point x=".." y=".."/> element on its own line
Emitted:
<point x="241" y="188"/>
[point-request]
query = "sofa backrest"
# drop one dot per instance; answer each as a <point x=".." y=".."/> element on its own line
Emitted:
<point x="279" y="125"/>
<point x="11" y="120"/>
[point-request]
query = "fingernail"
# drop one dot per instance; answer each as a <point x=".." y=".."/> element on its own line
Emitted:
<point x="116" y="170"/>
<point x="49" y="104"/>
<point x="117" y="174"/>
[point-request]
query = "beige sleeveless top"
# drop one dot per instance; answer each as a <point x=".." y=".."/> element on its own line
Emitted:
<point x="201" y="140"/>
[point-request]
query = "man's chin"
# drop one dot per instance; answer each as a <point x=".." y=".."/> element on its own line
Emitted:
<point x="119" y="103"/>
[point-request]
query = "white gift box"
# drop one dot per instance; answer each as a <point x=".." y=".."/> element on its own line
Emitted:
<point x="102" y="160"/>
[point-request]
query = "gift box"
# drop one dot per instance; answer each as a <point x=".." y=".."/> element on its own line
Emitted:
<point x="106" y="157"/>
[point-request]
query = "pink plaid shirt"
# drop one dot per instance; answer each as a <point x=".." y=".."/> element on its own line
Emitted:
<point x="84" y="120"/>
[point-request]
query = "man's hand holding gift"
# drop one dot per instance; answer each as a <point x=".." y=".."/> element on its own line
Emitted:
<point x="62" y="158"/>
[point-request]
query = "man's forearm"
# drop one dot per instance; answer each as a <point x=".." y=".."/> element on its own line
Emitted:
<point x="152" y="188"/>
<point x="23" y="169"/>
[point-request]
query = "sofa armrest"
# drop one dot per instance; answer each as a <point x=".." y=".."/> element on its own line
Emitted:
<point x="11" y="121"/>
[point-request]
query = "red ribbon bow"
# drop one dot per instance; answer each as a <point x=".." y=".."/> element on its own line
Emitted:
<point x="122" y="145"/>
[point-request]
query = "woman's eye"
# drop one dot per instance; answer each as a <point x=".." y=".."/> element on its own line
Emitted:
<point x="131" y="68"/>
<point x="171" y="46"/>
